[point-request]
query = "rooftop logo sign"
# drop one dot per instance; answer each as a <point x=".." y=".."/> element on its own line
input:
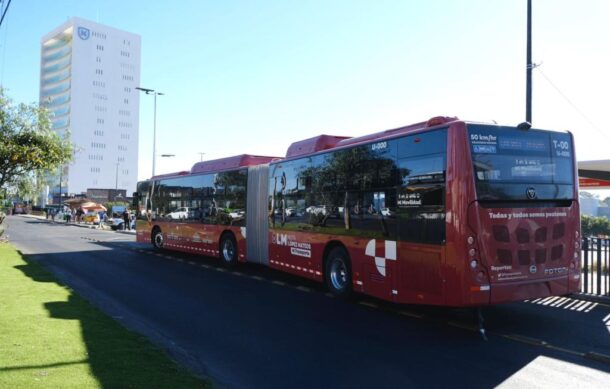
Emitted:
<point x="83" y="33"/>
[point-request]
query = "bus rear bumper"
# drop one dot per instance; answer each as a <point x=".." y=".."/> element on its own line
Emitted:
<point x="526" y="290"/>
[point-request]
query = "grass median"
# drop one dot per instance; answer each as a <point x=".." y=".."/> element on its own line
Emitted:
<point x="50" y="337"/>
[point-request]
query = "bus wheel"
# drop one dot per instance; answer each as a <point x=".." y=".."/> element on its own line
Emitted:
<point x="157" y="238"/>
<point x="338" y="272"/>
<point x="228" y="250"/>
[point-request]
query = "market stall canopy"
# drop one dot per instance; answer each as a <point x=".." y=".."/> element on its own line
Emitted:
<point x="91" y="206"/>
<point x="594" y="174"/>
<point x="77" y="203"/>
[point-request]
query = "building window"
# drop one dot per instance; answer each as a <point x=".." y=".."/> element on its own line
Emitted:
<point x="100" y="96"/>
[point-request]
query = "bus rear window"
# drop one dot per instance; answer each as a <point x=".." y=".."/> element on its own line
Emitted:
<point x="508" y="155"/>
<point x="511" y="164"/>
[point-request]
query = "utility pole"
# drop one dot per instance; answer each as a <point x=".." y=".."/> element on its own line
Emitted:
<point x="529" y="67"/>
<point x="116" y="178"/>
<point x="61" y="172"/>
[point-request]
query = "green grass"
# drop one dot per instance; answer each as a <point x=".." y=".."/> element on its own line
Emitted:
<point x="51" y="338"/>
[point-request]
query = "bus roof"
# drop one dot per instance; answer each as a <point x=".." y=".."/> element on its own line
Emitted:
<point x="313" y="145"/>
<point x="166" y="175"/>
<point x="236" y="161"/>
<point x="325" y="142"/>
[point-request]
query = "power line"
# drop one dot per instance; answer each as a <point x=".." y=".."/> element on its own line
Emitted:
<point x="581" y="113"/>
<point x="3" y="42"/>
<point x="5" y="10"/>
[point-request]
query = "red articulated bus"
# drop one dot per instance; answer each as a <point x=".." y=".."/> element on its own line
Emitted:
<point x="443" y="212"/>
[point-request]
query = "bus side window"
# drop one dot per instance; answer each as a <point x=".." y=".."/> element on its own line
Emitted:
<point x="421" y="199"/>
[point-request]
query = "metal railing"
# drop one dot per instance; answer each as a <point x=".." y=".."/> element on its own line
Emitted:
<point x="595" y="266"/>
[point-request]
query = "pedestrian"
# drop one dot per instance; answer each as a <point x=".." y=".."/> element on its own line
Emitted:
<point x="102" y="216"/>
<point x="126" y="219"/>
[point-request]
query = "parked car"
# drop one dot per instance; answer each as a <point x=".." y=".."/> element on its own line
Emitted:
<point x="387" y="212"/>
<point x="117" y="223"/>
<point x="316" y="210"/>
<point x="180" y="213"/>
<point x="237" y="214"/>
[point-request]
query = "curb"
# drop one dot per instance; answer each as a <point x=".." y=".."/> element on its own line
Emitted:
<point x="90" y="226"/>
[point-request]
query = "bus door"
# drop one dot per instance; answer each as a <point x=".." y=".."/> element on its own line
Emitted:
<point x="377" y="221"/>
<point x="421" y="218"/>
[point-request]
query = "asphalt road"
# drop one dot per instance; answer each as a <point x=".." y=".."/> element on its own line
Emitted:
<point x="253" y="327"/>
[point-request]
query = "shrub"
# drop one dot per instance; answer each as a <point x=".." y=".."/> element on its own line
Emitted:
<point x="594" y="226"/>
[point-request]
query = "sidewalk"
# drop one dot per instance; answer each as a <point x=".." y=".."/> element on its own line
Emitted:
<point x="596" y="298"/>
<point x="82" y="225"/>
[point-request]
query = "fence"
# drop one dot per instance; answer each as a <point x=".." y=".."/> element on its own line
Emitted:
<point x="595" y="269"/>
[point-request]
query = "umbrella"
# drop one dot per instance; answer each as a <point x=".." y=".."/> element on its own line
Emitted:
<point x="91" y="206"/>
<point x="76" y="203"/>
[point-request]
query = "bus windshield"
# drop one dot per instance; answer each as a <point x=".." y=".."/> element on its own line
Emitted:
<point x="506" y="160"/>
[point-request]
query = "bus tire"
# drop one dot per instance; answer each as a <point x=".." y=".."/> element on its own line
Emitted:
<point x="338" y="272"/>
<point x="157" y="238"/>
<point x="228" y="250"/>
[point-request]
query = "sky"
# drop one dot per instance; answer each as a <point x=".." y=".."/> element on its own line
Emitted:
<point x="254" y="76"/>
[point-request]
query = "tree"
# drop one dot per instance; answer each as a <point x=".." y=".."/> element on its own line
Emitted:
<point x="594" y="226"/>
<point x="28" y="145"/>
<point x="588" y="195"/>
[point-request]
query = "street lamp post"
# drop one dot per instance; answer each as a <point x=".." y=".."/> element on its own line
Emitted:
<point x="155" y="93"/>
<point x="116" y="178"/>
<point x="529" y="67"/>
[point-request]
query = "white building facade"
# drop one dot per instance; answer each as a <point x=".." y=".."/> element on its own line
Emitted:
<point x="88" y="76"/>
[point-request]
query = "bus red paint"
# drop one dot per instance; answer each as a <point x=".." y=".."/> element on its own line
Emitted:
<point x="443" y="212"/>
